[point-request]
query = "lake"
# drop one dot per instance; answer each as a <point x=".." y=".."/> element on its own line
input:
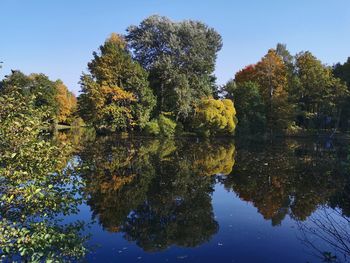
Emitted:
<point x="222" y="200"/>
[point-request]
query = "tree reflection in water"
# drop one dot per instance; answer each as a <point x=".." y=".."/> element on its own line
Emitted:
<point x="304" y="180"/>
<point x="287" y="177"/>
<point x="157" y="192"/>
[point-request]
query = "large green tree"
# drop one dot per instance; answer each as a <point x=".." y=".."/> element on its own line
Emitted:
<point x="180" y="57"/>
<point x="249" y="106"/>
<point x="342" y="71"/>
<point x="319" y="95"/>
<point x="115" y="94"/>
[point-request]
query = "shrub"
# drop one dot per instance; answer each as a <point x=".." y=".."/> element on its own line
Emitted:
<point x="215" y="117"/>
<point x="162" y="126"/>
<point x="166" y="125"/>
<point x="152" y="128"/>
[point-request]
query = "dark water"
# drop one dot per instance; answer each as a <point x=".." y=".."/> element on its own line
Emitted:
<point x="150" y="200"/>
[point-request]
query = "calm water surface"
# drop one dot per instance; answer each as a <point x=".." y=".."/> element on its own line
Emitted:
<point x="188" y="200"/>
<point x="197" y="201"/>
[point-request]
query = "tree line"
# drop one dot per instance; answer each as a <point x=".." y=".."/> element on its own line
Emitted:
<point x="289" y="93"/>
<point x="158" y="78"/>
<point x="52" y="98"/>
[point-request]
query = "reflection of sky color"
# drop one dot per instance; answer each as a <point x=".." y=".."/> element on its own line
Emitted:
<point x="170" y="200"/>
<point x="244" y="236"/>
<point x="246" y="204"/>
<point x="57" y="37"/>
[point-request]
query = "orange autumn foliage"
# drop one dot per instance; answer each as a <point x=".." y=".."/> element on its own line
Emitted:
<point x="67" y="103"/>
<point x="246" y="74"/>
<point x="117" y="94"/>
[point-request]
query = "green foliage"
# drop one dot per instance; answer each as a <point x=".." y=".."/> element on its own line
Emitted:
<point x="52" y="97"/>
<point x="163" y="126"/>
<point x="180" y="57"/>
<point x="115" y="95"/>
<point x="41" y="241"/>
<point x="35" y="187"/>
<point x="318" y="94"/>
<point x="282" y="51"/>
<point x="37" y="85"/>
<point x="215" y="117"/>
<point x="166" y="125"/>
<point x="152" y="128"/>
<point x="342" y="71"/>
<point x="249" y="106"/>
<point x="298" y="92"/>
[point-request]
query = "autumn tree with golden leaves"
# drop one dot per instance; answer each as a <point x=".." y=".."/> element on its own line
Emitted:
<point x="115" y="94"/>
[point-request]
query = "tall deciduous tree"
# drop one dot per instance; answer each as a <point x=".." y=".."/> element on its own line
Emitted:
<point x="283" y="52"/>
<point x="319" y="93"/>
<point x="246" y="74"/>
<point x="342" y="71"/>
<point x="180" y="57"/>
<point x="67" y="103"/>
<point x="249" y="106"/>
<point x="116" y="94"/>
<point x="289" y="62"/>
<point x="271" y="76"/>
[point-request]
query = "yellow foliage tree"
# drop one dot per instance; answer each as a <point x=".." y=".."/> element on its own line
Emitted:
<point x="271" y="75"/>
<point x="215" y="116"/>
<point x="67" y="103"/>
<point x="115" y="95"/>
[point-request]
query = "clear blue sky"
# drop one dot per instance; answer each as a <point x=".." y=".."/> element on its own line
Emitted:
<point x="57" y="37"/>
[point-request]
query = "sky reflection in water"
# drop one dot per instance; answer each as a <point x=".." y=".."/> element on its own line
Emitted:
<point x="189" y="200"/>
<point x="196" y="201"/>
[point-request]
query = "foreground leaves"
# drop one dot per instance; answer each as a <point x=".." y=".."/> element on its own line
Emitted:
<point x="36" y="188"/>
